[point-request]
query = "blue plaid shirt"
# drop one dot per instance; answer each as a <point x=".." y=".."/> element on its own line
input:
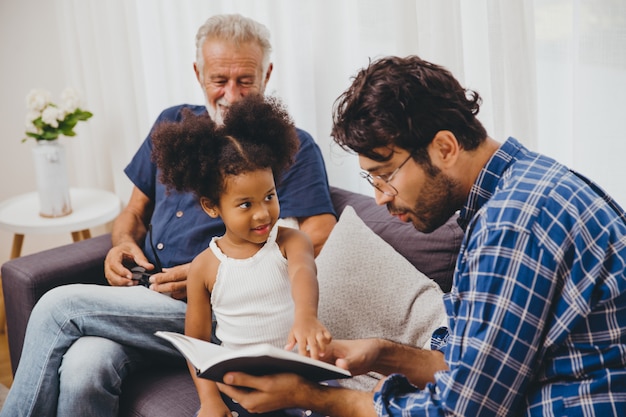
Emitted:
<point x="537" y="312"/>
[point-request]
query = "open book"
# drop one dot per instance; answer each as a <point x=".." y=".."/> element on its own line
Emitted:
<point x="213" y="361"/>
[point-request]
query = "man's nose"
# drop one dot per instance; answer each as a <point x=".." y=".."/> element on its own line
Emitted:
<point x="232" y="92"/>
<point x="382" y="198"/>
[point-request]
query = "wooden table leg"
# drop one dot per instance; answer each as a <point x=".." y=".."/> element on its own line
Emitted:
<point x="3" y="315"/>
<point x="16" y="249"/>
<point x="81" y="235"/>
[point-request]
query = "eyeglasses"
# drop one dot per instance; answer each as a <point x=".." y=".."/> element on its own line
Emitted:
<point x="383" y="182"/>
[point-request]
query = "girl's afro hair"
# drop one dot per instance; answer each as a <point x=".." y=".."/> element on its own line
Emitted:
<point x="195" y="155"/>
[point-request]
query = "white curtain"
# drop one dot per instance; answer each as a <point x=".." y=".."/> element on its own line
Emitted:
<point x="551" y="72"/>
<point x="581" y="87"/>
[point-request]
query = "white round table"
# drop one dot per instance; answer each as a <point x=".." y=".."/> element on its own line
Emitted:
<point x="90" y="208"/>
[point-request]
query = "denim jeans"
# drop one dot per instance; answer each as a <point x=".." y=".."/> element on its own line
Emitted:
<point x="80" y="343"/>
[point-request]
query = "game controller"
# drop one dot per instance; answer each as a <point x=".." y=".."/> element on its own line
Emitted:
<point x="141" y="275"/>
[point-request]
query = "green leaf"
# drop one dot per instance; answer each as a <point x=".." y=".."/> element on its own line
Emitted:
<point x="65" y="127"/>
<point x="32" y="135"/>
<point x="39" y="123"/>
<point x="83" y="115"/>
<point x="49" y="135"/>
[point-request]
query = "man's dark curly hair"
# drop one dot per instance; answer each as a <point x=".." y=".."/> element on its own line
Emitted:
<point x="404" y="102"/>
<point x="196" y="155"/>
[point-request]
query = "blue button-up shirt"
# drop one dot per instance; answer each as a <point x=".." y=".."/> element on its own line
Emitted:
<point x="181" y="229"/>
<point x="537" y="312"/>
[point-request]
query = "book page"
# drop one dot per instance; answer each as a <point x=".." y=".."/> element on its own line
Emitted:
<point x="197" y="352"/>
<point x="212" y="361"/>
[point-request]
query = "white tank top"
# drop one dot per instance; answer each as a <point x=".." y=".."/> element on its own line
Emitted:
<point x="251" y="297"/>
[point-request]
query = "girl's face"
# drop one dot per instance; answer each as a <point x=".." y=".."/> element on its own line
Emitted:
<point x="248" y="207"/>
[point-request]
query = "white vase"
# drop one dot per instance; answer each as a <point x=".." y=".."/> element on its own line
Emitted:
<point x="51" y="175"/>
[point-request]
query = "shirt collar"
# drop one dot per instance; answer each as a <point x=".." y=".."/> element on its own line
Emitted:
<point x="487" y="180"/>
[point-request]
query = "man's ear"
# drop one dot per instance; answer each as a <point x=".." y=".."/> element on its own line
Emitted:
<point x="444" y="150"/>
<point x="208" y="207"/>
<point x="197" y="71"/>
<point x="268" y="73"/>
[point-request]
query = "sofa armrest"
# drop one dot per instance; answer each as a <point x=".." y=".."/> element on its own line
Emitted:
<point x="26" y="279"/>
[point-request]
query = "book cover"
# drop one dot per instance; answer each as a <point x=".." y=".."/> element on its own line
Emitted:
<point x="213" y="361"/>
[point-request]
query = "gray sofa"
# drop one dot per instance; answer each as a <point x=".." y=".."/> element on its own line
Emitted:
<point x="168" y="390"/>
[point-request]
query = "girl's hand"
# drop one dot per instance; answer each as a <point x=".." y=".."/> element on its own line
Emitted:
<point x="310" y="335"/>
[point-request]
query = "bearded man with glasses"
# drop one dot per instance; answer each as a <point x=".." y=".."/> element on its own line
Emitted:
<point x="537" y="311"/>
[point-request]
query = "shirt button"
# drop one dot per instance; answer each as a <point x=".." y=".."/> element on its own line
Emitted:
<point x="160" y="246"/>
<point x="179" y="213"/>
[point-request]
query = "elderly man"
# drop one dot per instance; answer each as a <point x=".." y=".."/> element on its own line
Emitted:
<point x="109" y="330"/>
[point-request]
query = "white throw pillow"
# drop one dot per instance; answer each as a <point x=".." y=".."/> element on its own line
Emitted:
<point x="367" y="289"/>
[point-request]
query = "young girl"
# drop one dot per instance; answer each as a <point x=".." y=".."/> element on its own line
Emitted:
<point x="259" y="279"/>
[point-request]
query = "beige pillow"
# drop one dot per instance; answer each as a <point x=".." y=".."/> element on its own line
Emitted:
<point x="367" y="289"/>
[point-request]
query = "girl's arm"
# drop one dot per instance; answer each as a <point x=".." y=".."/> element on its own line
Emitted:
<point x="198" y="324"/>
<point x="307" y="332"/>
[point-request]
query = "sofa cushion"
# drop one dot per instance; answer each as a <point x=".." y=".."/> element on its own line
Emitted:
<point x="367" y="289"/>
<point x="161" y="391"/>
<point x="434" y="253"/>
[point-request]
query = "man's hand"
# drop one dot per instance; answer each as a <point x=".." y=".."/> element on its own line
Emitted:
<point x="357" y="356"/>
<point x="260" y="394"/>
<point x="267" y="393"/>
<point x="386" y="357"/>
<point x="117" y="260"/>
<point x="128" y="229"/>
<point x="171" y="280"/>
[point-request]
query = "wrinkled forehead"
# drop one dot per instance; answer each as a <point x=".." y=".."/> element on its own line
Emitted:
<point x="248" y="55"/>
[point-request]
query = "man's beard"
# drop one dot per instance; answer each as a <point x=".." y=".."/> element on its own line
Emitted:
<point x="217" y="114"/>
<point x="440" y="198"/>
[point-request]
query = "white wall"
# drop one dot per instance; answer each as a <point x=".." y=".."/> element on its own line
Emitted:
<point x="31" y="57"/>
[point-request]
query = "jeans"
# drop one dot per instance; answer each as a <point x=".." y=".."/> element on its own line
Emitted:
<point x="80" y="343"/>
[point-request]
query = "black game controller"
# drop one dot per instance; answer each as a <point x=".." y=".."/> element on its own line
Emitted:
<point x="141" y="275"/>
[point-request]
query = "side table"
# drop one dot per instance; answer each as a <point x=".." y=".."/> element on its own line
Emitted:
<point x="20" y="215"/>
<point x="90" y="208"/>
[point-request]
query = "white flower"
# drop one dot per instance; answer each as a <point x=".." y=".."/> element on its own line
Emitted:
<point x="47" y="121"/>
<point x="52" y="115"/>
<point x="70" y="100"/>
<point x="37" y="100"/>
<point x="30" y="127"/>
